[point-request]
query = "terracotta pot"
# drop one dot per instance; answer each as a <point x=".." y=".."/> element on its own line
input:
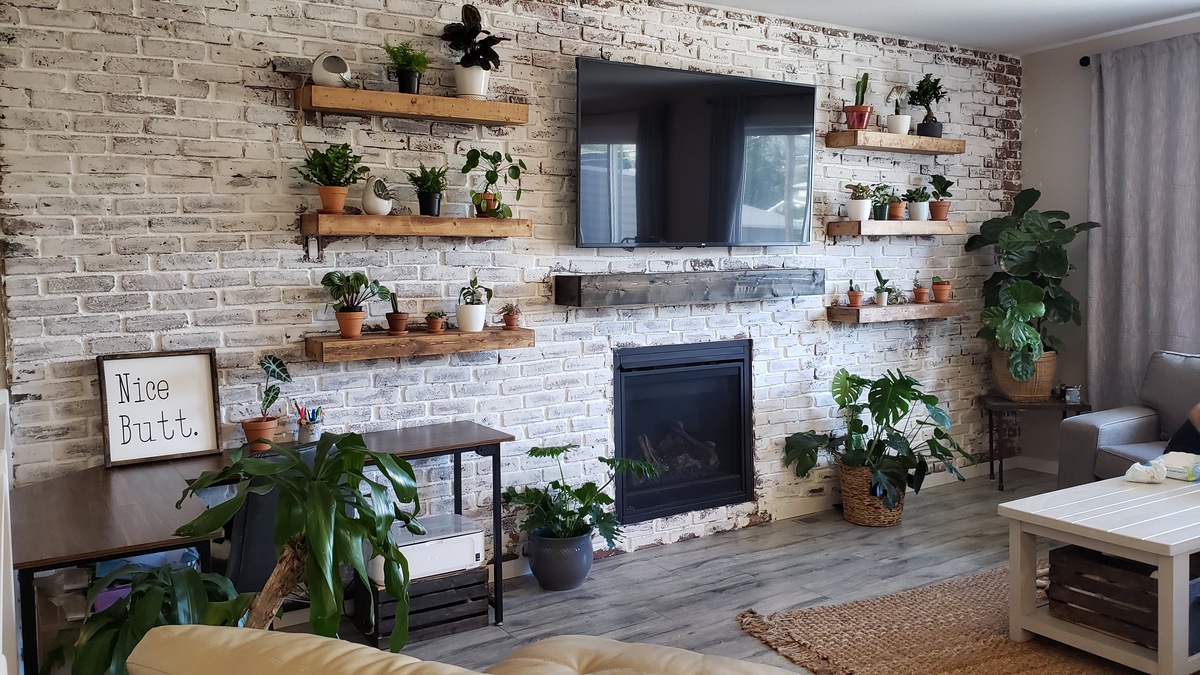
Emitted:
<point x="397" y="323"/>
<point x="858" y="116"/>
<point x="512" y="321"/>
<point x="489" y="203"/>
<point x="896" y="210"/>
<point x="351" y="323"/>
<point x="921" y="296"/>
<point x="333" y="199"/>
<point x="941" y="291"/>
<point x="939" y="210"/>
<point x="435" y="325"/>
<point x="855" y="298"/>
<point x="1045" y="374"/>
<point x="260" y="427"/>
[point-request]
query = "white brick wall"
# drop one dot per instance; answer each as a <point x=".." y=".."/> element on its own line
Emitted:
<point x="150" y="205"/>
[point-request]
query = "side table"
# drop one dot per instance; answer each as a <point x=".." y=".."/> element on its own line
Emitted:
<point x="994" y="403"/>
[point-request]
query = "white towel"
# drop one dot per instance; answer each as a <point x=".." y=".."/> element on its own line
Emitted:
<point x="1182" y="465"/>
<point x="1154" y="471"/>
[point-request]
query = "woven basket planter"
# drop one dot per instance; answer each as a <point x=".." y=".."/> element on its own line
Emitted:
<point x="859" y="507"/>
<point x="1045" y="372"/>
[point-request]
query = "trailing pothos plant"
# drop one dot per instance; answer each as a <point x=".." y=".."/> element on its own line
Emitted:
<point x="904" y="429"/>
<point x="560" y="511"/>
<point x="1026" y="295"/>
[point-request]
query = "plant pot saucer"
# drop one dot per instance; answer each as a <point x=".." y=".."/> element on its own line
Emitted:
<point x="397" y="333"/>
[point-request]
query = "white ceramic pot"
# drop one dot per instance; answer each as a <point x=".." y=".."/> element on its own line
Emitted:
<point x="471" y="82"/>
<point x="372" y="204"/>
<point x="918" y="210"/>
<point x="899" y="124"/>
<point x="881" y="298"/>
<point x="858" y="209"/>
<point x="471" y="317"/>
<point x="329" y="69"/>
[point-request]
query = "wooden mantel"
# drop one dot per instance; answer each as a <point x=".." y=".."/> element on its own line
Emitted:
<point x="678" y="288"/>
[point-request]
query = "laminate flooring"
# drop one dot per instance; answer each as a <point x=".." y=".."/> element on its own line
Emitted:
<point x="688" y="594"/>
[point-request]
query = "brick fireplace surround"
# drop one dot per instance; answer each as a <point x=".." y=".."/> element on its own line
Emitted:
<point x="150" y="205"/>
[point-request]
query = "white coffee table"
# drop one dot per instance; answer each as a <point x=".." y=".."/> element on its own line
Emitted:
<point x="1154" y="524"/>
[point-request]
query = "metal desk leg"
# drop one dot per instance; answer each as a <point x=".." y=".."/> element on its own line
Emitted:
<point x="497" y="555"/>
<point x="458" y="483"/>
<point x="991" y="446"/>
<point x="204" y="549"/>
<point x="29" y="645"/>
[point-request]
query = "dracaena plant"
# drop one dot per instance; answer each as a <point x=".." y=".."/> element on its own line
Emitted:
<point x="1026" y="295"/>
<point x="561" y="511"/>
<point x="337" y="166"/>
<point x="275" y="368"/>
<point x="350" y="291"/>
<point x="463" y="36"/>
<point x="903" y="431"/>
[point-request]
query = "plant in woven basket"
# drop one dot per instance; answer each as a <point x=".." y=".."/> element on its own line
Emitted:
<point x="904" y="429"/>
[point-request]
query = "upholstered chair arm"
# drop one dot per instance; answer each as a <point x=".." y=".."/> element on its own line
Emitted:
<point x="1081" y="436"/>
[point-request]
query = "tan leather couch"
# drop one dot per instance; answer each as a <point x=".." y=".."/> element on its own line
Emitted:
<point x="209" y="650"/>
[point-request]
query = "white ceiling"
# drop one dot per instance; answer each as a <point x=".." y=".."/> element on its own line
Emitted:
<point x="1016" y="27"/>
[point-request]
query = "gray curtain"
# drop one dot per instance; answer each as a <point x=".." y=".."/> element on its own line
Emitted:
<point x="727" y="159"/>
<point x="1144" y="260"/>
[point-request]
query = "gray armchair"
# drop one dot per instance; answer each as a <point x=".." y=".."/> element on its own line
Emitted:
<point x="1103" y="444"/>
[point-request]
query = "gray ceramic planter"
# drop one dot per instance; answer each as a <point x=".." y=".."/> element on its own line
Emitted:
<point x="559" y="564"/>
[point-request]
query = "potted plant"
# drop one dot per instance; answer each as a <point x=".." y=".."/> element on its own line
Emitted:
<point x="511" y="315"/>
<point x="859" y="207"/>
<point x="854" y="295"/>
<point x="1027" y="295"/>
<point x="920" y="293"/>
<point x="497" y="167"/>
<point x="429" y="184"/>
<point x="895" y="209"/>
<point x="881" y="196"/>
<point x="397" y="320"/>
<point x="881" y="290"/>
<point x="407" y="64"/>
<point x="263" y="427"/>
<point x="435" y="322"/>
<point x="471" y="311"/>
<point x="918" y="203"/>
<point x="941" y="290"/>
<point x="927" y="92"/>
<point x="350" y="292"/>
<point x="561" y="519"/>
<point x="939" y="208"/>
<point x="333" y="172"/>
<point x="478" y="56"/>
<point x="376" y="197"/>
<point x="880" y="457"/>
<point x="859" y="114"/>
<point x="898" y="123"/>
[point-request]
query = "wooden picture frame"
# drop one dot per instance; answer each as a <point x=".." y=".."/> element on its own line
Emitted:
<point x="156" y="406"/>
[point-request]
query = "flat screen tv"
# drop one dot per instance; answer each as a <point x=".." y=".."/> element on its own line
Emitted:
<point x="677" y="158"/>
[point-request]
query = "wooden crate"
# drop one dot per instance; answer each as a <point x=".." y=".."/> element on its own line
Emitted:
<point x="1114" y="595"/>
<point x="441" y="605"/>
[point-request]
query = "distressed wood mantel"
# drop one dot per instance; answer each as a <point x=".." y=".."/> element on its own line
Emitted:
<point x="678" y="288"/>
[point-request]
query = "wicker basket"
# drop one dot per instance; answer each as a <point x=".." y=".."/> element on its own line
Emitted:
<point x="859" y="507"/>
<point x="1045" y="372"/>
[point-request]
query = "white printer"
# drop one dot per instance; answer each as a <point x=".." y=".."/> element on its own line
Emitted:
<point x="453" y="543"/>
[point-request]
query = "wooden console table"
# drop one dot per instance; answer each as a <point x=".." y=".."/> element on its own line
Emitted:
<point x="993" y="403"/>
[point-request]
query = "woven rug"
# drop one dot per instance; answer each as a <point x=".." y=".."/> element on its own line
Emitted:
<point x="957" y="627"/>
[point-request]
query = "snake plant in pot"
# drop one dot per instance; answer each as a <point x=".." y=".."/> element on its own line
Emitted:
<point x="561" y="519"/>
<point x="1026" y="295"/>
<point x="879" y="457"/>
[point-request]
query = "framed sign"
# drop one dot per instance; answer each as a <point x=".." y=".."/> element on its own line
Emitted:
<point x="158" y="406"/>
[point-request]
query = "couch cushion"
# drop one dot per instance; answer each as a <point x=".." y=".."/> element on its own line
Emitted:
<point x="574" y="654"/>
<point x="1112" y="461"/>
<point x="1172" y="387"/>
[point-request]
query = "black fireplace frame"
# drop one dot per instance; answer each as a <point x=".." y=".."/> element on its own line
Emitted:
<point x="705" y="354"/>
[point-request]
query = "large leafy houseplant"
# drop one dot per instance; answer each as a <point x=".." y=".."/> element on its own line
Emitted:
<point x="1026" y="295"/>
<point x="904" y="429"/>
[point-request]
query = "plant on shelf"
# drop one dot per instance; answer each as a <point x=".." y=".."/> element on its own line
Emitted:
<point x="435" y="322"/>
<point x="920" y="293"/>
<point x="939" y="208"/>
<point x="429" y="185"/>
<point x="896" y="122"/>
<point x="918" y="203"/>
<point x="408" y="64"/>
<point x="479" y="57"/>
<point x="471" y="311"/>
<point x="350" y="292"/>
<point x="928" y="92"/>
<point x="258" y="429"/>
<point x="859" y="114"/>
<point x="859" y="208"/>
<point x="881" y="196"/>
<point x="1027" y="294"/>
<point x="879" y="457"/>
<point x="397" y="320"/>
<point x="511" y="315"/>
<point x="941" y="290"/>
<point x="854" y="295"/>
<point x="881" y="289"/>
<point x="497" y="167"/>
<point x="895" y="207"/>
<point x="561" y="519"/>
<point x="377" y="197"/>
<point x="333" y="172"/>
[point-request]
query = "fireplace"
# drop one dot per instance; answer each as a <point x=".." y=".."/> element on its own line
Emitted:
<point x="686" y="409"/>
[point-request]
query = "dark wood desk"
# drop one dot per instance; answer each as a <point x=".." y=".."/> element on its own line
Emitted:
<point x="994" y="403"/>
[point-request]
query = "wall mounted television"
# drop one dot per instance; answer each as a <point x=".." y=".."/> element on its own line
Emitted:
<point x="675" y="158"/>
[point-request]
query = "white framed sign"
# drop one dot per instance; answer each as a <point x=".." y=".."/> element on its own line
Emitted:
<point x="158" y="406"/>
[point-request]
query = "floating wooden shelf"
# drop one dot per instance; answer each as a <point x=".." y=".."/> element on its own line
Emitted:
<point x="875" y="228"/>
<point x="676" y="288"/>
<point x="415" y="106"/>
<point x="877" y="314"/>
<point x="326" y="225"/>
<point x="878" y="140"/>
<point x="332" y="348"/>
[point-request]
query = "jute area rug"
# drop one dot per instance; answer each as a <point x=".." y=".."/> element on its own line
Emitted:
<point x="957" y="627"/>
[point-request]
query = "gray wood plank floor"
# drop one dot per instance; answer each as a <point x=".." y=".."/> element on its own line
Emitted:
<point x="688" y="594"/>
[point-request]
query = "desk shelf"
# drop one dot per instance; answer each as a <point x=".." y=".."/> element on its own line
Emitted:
<point x="413" y="106"/>
<point x="333" y="349"/>
<point x="858" y="139"/>
<point x="877" y="228"/>
<point x="908" y="312"/>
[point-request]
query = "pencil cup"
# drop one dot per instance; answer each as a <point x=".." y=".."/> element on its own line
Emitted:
<point x="309" y="433"/>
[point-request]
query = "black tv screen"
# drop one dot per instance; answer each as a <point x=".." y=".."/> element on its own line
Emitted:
<point x="679" y="158"/>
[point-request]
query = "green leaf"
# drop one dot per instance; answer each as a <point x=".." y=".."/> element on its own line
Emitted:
<point x="190" y="598"/>
<point x="274" y="367"/>
<point x="802" y="449"/>
<point x="215" y="517"/>
<point x="270" y="396"/>
<point x="553" y="451"/>
<point x="1021" y="363"/>
<point x="939" y="416"/>
<point x="1052" y="261"/>
<point x="1025" y="200"/>
<point x="1016" y="239"/>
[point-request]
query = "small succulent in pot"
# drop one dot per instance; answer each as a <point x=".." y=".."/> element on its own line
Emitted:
<point x="898" y="123"/>
<point x="939" y="208"/>
<point x="397" y="320"/>
<point x="854" y="295"/>
<point x="920" y="292"/>
<point x="435" y="322"/>
<point x="333" y="171"/>
<point x="859" y="207"/>
<point x="408" y="64"/>
<point x="882" y="290"/>
<point x="918" y="203"/>
<point x="511" y="315"/>
<point x="859" y="114"/>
